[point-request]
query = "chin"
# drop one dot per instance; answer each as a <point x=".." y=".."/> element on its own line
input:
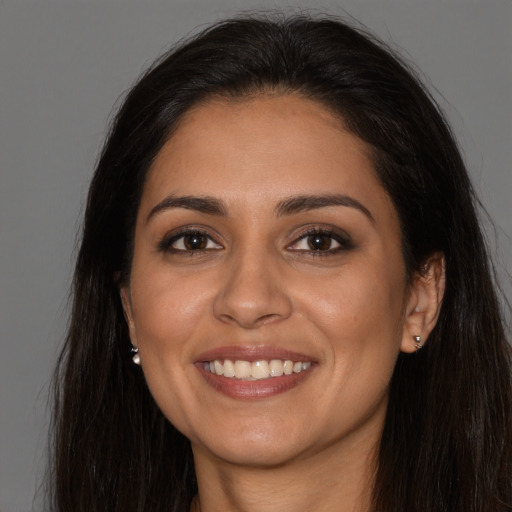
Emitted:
<point x="255" y="455"/>
<point x="263" y="448"/>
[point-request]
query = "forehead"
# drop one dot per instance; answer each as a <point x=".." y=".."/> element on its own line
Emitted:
<point x="258" y="150"/>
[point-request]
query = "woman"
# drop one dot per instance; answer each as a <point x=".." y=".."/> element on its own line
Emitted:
<point x="282" y="298"/>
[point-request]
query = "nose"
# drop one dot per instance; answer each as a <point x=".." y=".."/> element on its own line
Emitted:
<point x="253" y="292"/>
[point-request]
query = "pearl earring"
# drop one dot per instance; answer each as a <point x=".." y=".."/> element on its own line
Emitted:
<point x="135" y="356"/>
<point x="417" y="342"/>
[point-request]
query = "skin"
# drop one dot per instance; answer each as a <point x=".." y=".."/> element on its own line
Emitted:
<point x="348" y="306"/>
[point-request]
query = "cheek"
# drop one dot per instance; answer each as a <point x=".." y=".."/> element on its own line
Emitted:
<point x="169" y="314"/>
<point x="168" y="309"/>
<point x="358" y="300"/>
<point x="361" y="316"/>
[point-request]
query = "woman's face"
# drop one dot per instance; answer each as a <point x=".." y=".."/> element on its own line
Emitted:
<point x="268" y="295"/>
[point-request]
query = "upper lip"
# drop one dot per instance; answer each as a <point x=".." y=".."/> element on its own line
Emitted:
<point x="251" y="353"/>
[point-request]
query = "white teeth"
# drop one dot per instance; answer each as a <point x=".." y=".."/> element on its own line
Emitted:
<point x="229" y="368"/>
<point x="218" y="367"/>
<point x="276" y="368"/>
<point x="242" y="369"/>
<point x="259" y="370"/>
<point x="288" y="367"/>
<point x="255" y="370"/>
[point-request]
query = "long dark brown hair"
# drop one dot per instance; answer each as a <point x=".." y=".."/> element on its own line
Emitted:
<point x="446" y="444"/>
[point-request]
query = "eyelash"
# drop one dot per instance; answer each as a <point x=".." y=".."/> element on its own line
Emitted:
<point x="166" y="244"/>
<point x="341" y="238"/>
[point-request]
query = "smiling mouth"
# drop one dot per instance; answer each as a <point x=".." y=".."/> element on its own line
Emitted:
<point x="255" y="370"/>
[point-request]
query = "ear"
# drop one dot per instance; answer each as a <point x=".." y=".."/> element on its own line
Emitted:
<point x="423" y="303"/>
<point x="126" y="300"/>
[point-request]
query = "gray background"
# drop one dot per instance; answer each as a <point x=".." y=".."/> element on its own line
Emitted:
<point x="63" y="65"/>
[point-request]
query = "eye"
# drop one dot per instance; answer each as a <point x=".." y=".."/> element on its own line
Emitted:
<point x="318" y="241"/>
<point x="189" y="241"/>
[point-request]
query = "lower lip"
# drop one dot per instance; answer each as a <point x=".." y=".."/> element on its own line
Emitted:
<point x="253" y="389"/>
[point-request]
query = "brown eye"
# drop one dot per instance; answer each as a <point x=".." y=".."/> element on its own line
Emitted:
<point x="320" y="242"/>
<point x="195" y="242"/>
<point x="189" y="242"/>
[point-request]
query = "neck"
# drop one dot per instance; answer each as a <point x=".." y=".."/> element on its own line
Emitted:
<point x="334" y="479"/>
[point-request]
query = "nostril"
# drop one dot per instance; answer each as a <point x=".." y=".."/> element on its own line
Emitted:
<point x="248" y="321"/>
<point x="266" y="319"/>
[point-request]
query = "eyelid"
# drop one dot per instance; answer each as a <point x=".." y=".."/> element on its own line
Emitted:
<point x="166" y="243"/>
<point x="341" y="237"/>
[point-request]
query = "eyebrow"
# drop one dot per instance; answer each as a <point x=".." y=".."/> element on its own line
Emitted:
<point x="203" y="204"/>
<point x="296" y="204"/>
